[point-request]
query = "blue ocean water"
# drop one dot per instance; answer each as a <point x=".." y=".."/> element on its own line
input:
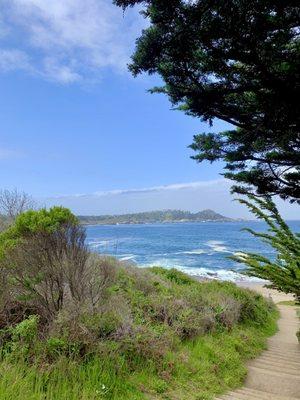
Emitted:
<point x="195" y="248"/>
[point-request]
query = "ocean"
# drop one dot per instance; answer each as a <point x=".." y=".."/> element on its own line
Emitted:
<point x="200" y="249"/>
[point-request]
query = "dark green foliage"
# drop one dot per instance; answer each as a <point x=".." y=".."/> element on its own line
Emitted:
<point x="237" y="61"/>
<point x="284" y="271"/>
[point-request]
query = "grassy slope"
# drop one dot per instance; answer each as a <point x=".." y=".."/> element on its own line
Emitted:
<point x="194" y="369"/>
<point x="203" y="367"/>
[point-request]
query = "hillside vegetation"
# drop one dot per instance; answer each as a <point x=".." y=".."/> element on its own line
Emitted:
<point x="153" y="217"/>
<point x="75" y="325"/>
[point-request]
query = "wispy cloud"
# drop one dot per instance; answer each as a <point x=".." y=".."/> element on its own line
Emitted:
<point x="153" y="189"/>
<point x="6" y="154"/>
<point x="173" y="186"/>
<point x="67" y="40"/>
<point x="13" y="59"/>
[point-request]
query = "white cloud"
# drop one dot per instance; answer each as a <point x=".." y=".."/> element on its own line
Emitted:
<point x="61" y="73"/>
<point x="13" y="59"/>
<point x="174" y="186"/>
<point x="70" y="40"/>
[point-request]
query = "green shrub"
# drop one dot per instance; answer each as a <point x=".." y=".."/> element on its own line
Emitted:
<point x="26" y="331"/>
<point x="32" y="222"/>
<point x="103" y="324"/>
<point x="19" y="341"/>
<point x="42" y="220"/>
<point x="44" y="261"/>
<point x="56" y="346"/>
<point x="173" y="275"/>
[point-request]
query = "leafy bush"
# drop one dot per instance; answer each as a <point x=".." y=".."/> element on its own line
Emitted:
<point x="56" y="346"/>
<point x="43" y="220"/>
<point x="19" y="341"/>
<point x="26" y="331"/>
<point x="43" y="260"/>
<point x="173" y="275"/>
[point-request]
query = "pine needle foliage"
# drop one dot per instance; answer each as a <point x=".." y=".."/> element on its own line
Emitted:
<point x="237" y="61"/>
<point x="283" y="272"/>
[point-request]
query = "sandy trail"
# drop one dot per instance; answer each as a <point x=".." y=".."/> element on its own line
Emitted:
<point x="275" y="375"/>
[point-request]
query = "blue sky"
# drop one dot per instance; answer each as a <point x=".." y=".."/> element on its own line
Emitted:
<point x="66" y="139"/>
<point x="75" y="122"/>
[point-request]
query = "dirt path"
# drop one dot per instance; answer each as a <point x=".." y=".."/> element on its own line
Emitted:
<point x="275" y="375"/>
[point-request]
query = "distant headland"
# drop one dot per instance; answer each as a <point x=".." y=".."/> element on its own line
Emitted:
<point x="150" y="217"/>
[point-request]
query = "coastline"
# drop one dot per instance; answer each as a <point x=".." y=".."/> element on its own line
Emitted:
<point x="162" y="222"/>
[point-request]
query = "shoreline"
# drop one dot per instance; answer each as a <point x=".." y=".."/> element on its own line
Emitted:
<point x="161" y="222"/>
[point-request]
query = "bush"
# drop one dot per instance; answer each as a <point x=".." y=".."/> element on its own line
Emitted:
<point x="43" y="260"/>
<point x="173" y="275"/>
<point x="19" y="341"/>
<point x="146" y="344"/>
<point x="56" y="347"/>
<point x="26" y="331"/>
<point x="43" y="220"/>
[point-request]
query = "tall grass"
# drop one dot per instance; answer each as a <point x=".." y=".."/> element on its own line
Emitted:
<point x="196" y="370"/>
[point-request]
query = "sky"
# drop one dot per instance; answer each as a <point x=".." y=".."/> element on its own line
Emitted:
<point x="78" y="130"/>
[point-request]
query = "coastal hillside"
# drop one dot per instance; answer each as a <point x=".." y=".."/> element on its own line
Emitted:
<point x="154" y="217"/>
<point x="77" y="325"/>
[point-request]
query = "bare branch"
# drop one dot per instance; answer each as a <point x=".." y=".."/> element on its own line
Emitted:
<point x="13" y="203"/>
